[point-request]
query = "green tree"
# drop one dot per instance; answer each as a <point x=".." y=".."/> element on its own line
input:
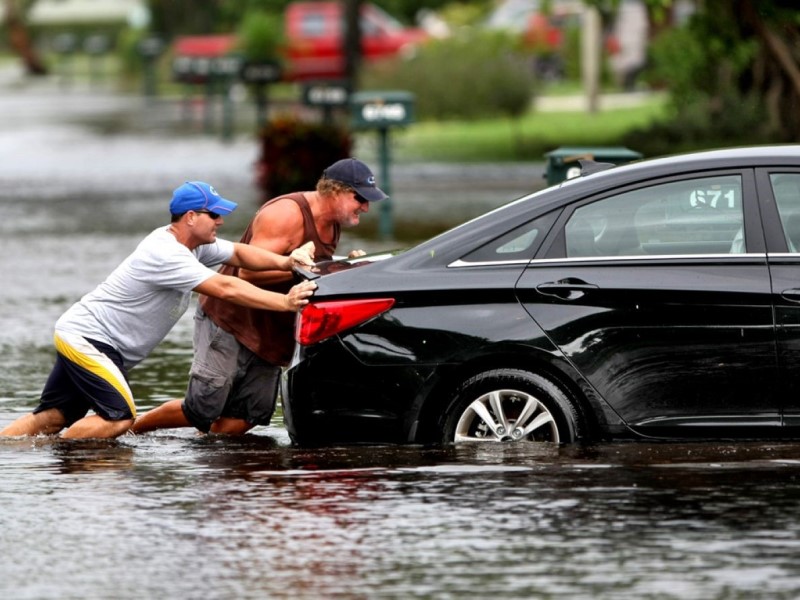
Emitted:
<point x="733" y="74"/>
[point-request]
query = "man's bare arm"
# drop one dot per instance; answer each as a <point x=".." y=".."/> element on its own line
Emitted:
<point x="278" y="228"/>
<point x="240" y="292"/>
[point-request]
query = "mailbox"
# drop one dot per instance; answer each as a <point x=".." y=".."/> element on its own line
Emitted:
<point x="64" y="43"/>
<point x="150" y="47"/>
<point x="325" y="93"/>
<point x="380" y="110"/>
<point x="96" y="44"/>
<point x="261" y="72"/>
<point x="226" y="67"/>
<point x="188" y="69"/>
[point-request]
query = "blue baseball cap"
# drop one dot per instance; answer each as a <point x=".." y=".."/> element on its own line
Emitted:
<point x="353" y="172"/>
<point x="197" y="195"/>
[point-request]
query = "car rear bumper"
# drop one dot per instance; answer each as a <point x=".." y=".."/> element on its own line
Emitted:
<point x="322" y="404"/>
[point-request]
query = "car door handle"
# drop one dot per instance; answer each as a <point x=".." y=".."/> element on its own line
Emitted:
<point x="792" y="295"/>
<point x="566" y="289"/>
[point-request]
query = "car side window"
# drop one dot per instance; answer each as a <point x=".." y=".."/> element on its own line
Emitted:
<point x="520" y="243"/>
<point x="696" y="216"/>
<point x="786" y="189"/>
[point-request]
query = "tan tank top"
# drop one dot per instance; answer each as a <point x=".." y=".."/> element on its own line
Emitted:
<point x="269" y="334"/>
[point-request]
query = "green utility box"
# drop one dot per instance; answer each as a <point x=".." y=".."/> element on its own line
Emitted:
<point x="562" y="163"/>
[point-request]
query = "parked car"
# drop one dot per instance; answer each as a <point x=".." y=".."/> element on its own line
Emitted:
<point x="658" y="299"/>
<point x="315" y="33"/>
<point x="313" y="49"/>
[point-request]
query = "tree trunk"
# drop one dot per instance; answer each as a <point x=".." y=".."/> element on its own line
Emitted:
<point x="20" y="40"/>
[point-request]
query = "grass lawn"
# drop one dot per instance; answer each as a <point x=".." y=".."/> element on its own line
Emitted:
<point x="524" y="139"/>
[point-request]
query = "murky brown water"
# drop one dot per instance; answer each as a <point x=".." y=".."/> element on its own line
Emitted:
<point x="173" y="514"/>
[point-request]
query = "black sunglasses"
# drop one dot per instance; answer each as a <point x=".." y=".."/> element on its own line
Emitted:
<point x="214" y="216"/>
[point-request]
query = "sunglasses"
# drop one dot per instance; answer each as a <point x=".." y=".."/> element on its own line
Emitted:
<point x="214" y="216"/>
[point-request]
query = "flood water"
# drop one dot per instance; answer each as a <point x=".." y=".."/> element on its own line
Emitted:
<point x="174" y="514"/>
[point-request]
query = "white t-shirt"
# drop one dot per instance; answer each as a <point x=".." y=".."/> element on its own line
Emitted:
<point x="143" y="298"/>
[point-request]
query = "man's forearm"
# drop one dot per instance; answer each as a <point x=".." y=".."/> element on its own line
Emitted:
<point x="254" y="258"/>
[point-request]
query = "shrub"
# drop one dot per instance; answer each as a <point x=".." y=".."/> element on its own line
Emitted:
<point x="705" y="122"/>
<point x="469" y="76"/>
<point x="295" y="152"/>
<point x="260" y="36"/>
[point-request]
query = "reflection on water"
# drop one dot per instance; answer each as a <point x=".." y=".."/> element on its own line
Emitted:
<point x="256" y="517"/>
<point x="174" y="514"/>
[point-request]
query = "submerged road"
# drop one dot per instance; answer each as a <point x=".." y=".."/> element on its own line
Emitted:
<point x="51" y="132"/>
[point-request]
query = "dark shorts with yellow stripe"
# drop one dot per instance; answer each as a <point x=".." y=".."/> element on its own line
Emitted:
<point x="87" y="375"/>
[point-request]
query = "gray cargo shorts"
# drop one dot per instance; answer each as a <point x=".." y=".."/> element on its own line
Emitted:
<point x="227" y="380"/>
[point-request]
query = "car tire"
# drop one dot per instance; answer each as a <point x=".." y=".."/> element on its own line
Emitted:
<point x="510" y="405"/>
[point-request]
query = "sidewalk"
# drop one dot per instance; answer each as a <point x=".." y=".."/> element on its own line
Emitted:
<point x="578" y="103"/>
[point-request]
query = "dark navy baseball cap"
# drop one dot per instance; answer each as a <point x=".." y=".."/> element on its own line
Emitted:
<point x="353" y="172"/>
<point x="197" y="195"/>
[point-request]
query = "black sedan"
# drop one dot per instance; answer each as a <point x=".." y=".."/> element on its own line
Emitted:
<point x="659" y="300"/>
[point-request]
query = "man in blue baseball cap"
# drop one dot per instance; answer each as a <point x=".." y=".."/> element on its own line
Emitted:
<point x="199" y="196"/>
<point x="115" y="326"/>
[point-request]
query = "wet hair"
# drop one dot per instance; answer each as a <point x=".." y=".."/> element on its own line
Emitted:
<point x="330" y="187"/>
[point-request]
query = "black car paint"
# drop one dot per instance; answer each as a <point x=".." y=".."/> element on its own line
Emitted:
<point x="667" y="347"/>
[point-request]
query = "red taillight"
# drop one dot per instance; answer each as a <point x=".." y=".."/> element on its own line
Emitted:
<point x="320" y="320"/>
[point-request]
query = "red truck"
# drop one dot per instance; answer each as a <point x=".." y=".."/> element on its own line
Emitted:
<point x="315" y="33"/>
<point x="314" y="38"/>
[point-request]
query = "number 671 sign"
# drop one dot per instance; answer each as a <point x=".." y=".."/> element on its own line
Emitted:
<point x="713" y="198"/>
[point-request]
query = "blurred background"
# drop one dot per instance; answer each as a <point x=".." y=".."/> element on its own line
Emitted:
<point x="445" y="81"/>
<point x="458" y="105"/>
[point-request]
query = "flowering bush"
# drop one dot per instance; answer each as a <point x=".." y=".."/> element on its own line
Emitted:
<point x="294" y="153"/>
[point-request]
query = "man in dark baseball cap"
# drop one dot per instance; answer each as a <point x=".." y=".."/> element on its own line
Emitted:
<point x="353" y="172"/>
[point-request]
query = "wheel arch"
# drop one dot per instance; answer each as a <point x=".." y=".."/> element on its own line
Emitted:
<point x="518" y="357"/>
